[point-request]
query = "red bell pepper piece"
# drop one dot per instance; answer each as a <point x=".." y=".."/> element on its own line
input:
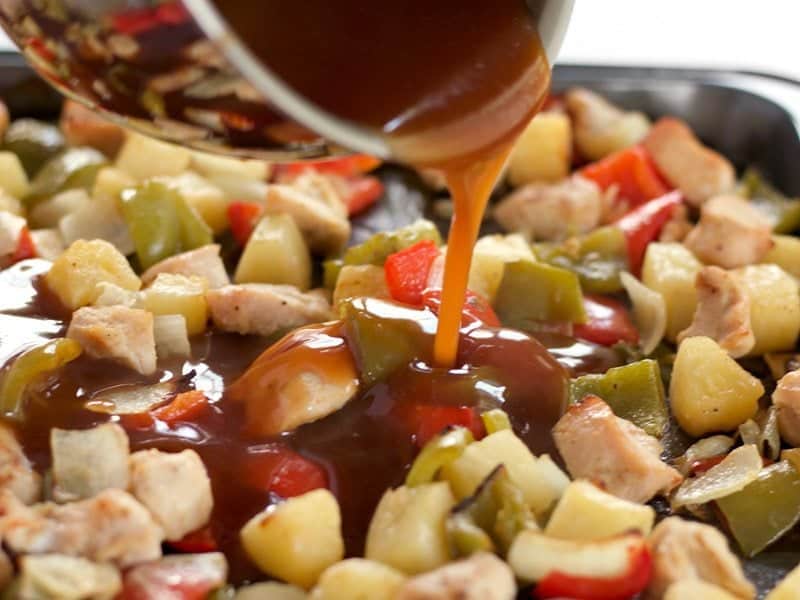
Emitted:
<point x="345" y="166"/>
<point x="196" y="542"/>
<point x="284" y="472"/>
<point x="633" y="172"/>
<point x="243" y="217"/>
<point x="141" y="20"/>
<point x="643" y="225"/>
<point x="428" y="421"/>
<point x="624" y="587"/>
<point x="407" y="271"/>
<point x="25" y="246"/>
<point x="178" y="578"/>
<point x="608" y="322"/>
<point x="476" y="308"/>
<point x="184" y="407"/>
<point x="361" y="193"/>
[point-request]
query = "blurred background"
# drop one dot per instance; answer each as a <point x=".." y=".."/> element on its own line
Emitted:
<point x="734" y="34"/>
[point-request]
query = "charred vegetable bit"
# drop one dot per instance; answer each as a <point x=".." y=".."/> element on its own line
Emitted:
<point x="783" y="213"/>
<point x="634" y="392"/>
<point x="764" y="510"/>
<point x="440" y="451"/>
<point x="30" y="366"/>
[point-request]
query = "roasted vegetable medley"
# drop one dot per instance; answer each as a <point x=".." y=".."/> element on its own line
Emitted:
<point x="211" y="391"/>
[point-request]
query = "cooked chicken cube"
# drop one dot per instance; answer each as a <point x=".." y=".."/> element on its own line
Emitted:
<point x="483" y="576"/>
<point x="44" y="576"/>
<point x="86" y="462"/>
<point x="723" y="312"/>
<point x="320" y="216"/>
<point x="202" y="262"/>
<point x="16" y="474"/>
<point x="553" y="211"/>
<point x="699" y="172"/>
<point x="263" y="309"/>
<point x="174" y="487"/>
<point x="10" y="228"/>
<point x="787" y="398"/>
<point x="612" y="452"/>
<point x="731" y="233"/>
<point x="111" y="527"/>
<point x="678" y="227"/>
<point x="688" y="550"/>
<point x="82" y="126"/>
<point x="119" y="333"/>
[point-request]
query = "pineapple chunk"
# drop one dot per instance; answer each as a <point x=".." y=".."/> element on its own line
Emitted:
<point x="211" y="165"/>
<point x="75" y="275"/>
<point x="695" y="589"/>
<point x="13" y="179"/>
<point x="709" y="391"/>
<point x="540" y="480"/>
<point x="788" y="589"/>
<point x="407" y="531"/>
<point x="173" y="294"/>
<point x="110" y="183"/>
<point x="358" y="579"/>
<point x="270" y="590"/>
<point x="296" y="540"/>
<point x="543" y="151"/>
<point x="276" y="253"/>
<point x="671" y="269"/>
<point x="585" y="512"/>
<point x="144" y="157"/>
<point x="492" y="252"/>
<point x="360" y="281"/>
<point x="785" y="253"/>
<point x="774" y="307"/>
<point x="203" y="196"/>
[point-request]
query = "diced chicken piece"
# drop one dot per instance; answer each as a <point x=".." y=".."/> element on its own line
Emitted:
<point x="48" y="243"/>
<point x="11" y="226"/>
<point x="202" y="262"/>
<point x="111" y="527"/>
<point x="322" y="187"/>
<point x="86" y="462"/>
<point x="16" y="474"/>
<point x="600" y="127"/>
<point x="44" y="576"/>
<point x="84" y="127"/>
<point x="689" y="550"/>
<point x="731" y="233"/>
<point x="699" y="172"/>
<point x="174" y="487"/>
<point x="613" y="453"/>
<point x="678" y="227"/>
<point x="122" y="334"/>
<point x="263" y="309"/>
<point x="481" y="577"/>
<point x="321" y="217"/>
<point x="723" y="312"/>
<point x="553" y="211"/>
<point x="787" y="398"/>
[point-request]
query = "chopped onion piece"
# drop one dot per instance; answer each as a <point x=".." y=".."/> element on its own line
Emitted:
<point x="131" y="399"/>
<point x="172" y="337"/>
<point x="649" y="312"/>
<point x="738" y="469"/>
<point x="709" y="447"/>
<point x="110" y="294"/>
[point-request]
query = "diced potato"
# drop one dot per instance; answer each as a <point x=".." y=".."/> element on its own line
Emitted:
<point x="543" y="151"/>
<point x="709" y="391"/>
<point x="407" y="531"/>
<point x="270" y="590"/>
<point x="360" y="281"/>
<point x="173" y="294"/>
<point x="492" y="252"/>
<point x="540" y="480"/>
<point x="48" y="213"/>
<point x="75" y="274"/>
<point x="585" y="512"/>
<point x="671" y="269"/>
<point x="276" y="253"/>
<point x="208" y="200"/>
<point x="695" y="589"/>
<point x="13" y="179"/>
<point x="143" y="157"/>
<point x="213" y="164"/>
<point x="110" y="183"/>
<point x="296" y="540"/>
<point x="788" y="589"/>
<point x="358" y="579"/>
<point x="774" y="307"/>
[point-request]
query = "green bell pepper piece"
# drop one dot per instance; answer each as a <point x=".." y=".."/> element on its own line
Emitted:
<point x="29" y="366"/>
<point x="330" y="272"/>
<point x="765" y="509"/>
<point x="782" y="213"/>
<point x="634" y="392"/>
<point x="377" y="249"/>
<point x="71" y="169"/>
<point x="597" y="258"/>
<point x="152" y="216"/>
<point x="34" y="142"/>
<point x="194" y="230"/>
<point x="495" y="420"/>
<point x="440" y="451"/>
<point x="534" y="293"/>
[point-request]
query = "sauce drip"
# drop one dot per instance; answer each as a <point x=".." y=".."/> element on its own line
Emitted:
<point x="451" y="84"/>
